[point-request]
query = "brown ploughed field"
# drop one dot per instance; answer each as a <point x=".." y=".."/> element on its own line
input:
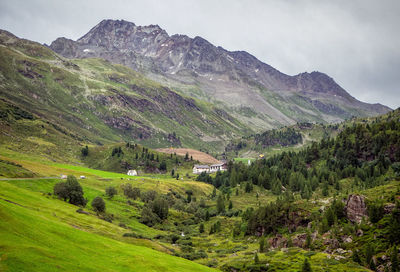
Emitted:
<point x="197" y="155"/>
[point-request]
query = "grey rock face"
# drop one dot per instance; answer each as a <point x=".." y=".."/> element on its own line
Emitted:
<point x="234" y="79"/>
<point x="356" y="208"/>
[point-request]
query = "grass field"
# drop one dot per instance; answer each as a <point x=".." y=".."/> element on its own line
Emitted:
<point x="44" y="234"/>
<point x="244" y="160"/>
<point x="88" y="171"/>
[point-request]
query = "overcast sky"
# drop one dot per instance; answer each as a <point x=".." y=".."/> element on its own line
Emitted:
<point x="357" y="42"/>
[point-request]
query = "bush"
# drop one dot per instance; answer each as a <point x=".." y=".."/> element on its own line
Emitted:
<point x="130" y="192"/>
<point x="111" y="191"/>
<point x="70" y="190"/>
<point x="133" y="235"/>
<point x="375" y="211"/>
<point x="60" y="190"/>
<point x="163" y="166"/>
<point x="148" y="196"/>
<point x="174" y="238"/>
<point x="106" y="217"/>
<point x="148" y="217"/>
<point x="98" y="204"/>
<point x="160" y="208"/>
<point x="85" y="151"/>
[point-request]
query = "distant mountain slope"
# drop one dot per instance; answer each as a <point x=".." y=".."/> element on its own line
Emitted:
<point x="96" y="101"/>
<point x="249" y="89"/>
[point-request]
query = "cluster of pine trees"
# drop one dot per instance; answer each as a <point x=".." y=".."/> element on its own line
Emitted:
<point x="282" y="137"/>
<point x="368" y="153"/>
<point x="273" y="137"/>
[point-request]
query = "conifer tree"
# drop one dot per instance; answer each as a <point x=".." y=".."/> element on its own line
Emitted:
<point x="220" y="204"/>
<point x="262" y="243"/>
<point x="395" y="260"/>
<point x="306" y="266"/>
<point x="256" y="260"/>
<point x="201" y="228"/>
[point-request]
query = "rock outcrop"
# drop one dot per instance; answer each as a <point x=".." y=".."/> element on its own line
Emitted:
<point x="356" y="208"/>
<point x="278" y="241"/>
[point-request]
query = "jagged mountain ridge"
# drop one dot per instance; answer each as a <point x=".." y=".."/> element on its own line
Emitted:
<point x="254" y="92"/>
<point x="99" y="102"/>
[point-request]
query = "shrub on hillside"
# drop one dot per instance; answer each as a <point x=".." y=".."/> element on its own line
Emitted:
<point x="376" y="211"/>
<point x="130" y="192"/>
<point x="111" y="191"/>
<point x="148" y="196"/>
<point x="60" y="190"/>
<point x="98" y="204"/>
<point x="154" y="211"/>
<point x="148" y="217"/>
<point x="70" y="190"/>
<point x="85" y="151"/>
<point x="160" y="208"/>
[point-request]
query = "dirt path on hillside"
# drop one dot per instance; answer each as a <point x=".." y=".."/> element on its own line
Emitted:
<point x="29" y="178"/>
<point x="197" y="155"/>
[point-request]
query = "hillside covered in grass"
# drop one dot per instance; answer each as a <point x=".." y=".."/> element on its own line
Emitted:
<point x="130" y="229"/>
<point x="98" y="102"/>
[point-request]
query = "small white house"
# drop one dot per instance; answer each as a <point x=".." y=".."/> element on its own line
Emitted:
<point x="198" y="169"/>
<point x="132" y="173"/>
<point x="82" y="177"/>
<point x="63" y="177"/>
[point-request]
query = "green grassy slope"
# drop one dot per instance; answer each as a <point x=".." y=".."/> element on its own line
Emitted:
<point x="47" y="224"/>
<point x="44" y="234"/>
<point x="36" y="226"/>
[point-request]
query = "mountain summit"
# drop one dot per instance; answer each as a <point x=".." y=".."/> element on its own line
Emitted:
<point x="253" y="91"/>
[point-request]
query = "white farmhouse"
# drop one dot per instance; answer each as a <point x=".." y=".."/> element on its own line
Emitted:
<point x="132" y="173"/>
<point x="198" y="169"/>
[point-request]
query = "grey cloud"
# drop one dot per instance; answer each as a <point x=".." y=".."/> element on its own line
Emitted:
<point x="356" y="42"/>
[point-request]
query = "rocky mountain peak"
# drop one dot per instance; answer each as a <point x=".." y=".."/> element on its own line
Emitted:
<point x="123" y="35"/>
<point x="317" y="82"/>
<point x="237" y="79"/>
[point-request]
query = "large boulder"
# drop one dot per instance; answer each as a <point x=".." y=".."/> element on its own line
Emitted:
<point x="356" y="208"/>
<point x="278" y="241"/>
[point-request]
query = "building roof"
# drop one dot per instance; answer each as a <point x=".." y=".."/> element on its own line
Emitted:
<point x="201" y="166"/>
<point x="217" y="164"/>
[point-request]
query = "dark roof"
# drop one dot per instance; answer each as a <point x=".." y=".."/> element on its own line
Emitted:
<point x="201" y="166"/>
